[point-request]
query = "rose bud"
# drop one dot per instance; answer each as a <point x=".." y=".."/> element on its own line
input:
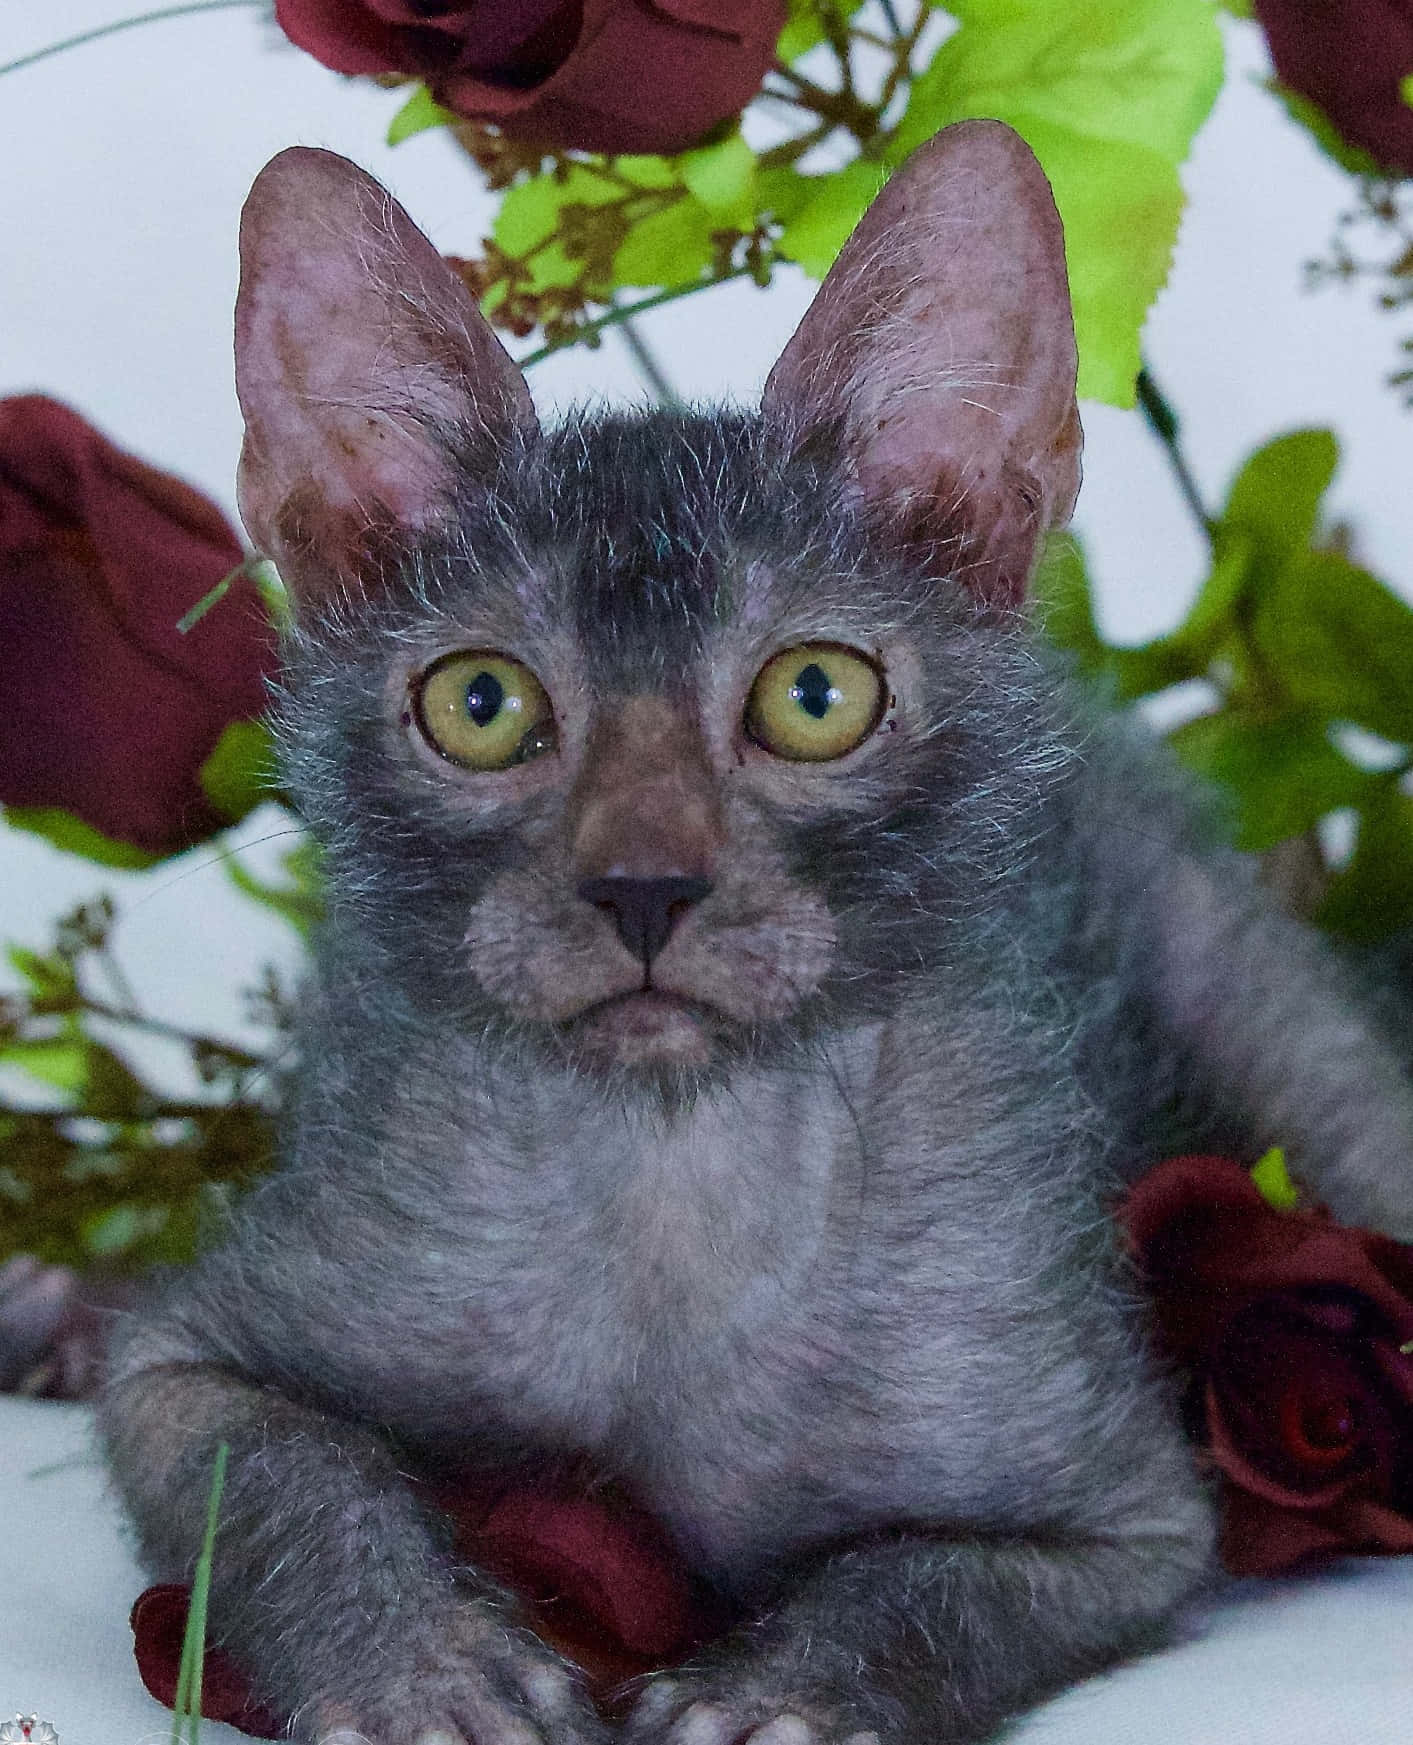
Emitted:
<point x="110" y="711"/>
<point x="596" y="75"/>
<point x="1292" y="1330"/>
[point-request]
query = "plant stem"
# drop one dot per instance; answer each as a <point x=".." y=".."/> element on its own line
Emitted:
<point x="842" y="108"/>
<point x="886" y="8"/>
<point x="648" y="366"/>
<point x="102" y="30"/>
<point x="617" y="316"/>
<point x="158" y="1027"/>
<point x="1162" y="420"/>
<point x="157" y="1111"/>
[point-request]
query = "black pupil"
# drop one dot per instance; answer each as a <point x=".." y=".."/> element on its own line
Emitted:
<point x="484" y="696"/>
<point x="811" y="690"/>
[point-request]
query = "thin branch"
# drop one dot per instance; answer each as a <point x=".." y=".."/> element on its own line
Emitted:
<point x="616" y="317"/>
<point x="790" y="151"/>
<point x="159" y="1109"/>
<point x="648" y="366"/>
<point x="102" y="30"/>
<point x="1163" y="422"/>
<point x="903" y="46"/>
<point x="843" y="108"/>
<point x="159" y="1027"/>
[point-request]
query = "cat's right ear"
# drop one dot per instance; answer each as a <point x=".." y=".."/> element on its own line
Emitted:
<point x="361" y="361"/>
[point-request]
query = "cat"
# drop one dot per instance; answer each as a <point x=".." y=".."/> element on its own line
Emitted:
<point x="751" y="964"/>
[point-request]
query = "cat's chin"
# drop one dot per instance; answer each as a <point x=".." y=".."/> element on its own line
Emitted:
<point x="645" y="1028"/>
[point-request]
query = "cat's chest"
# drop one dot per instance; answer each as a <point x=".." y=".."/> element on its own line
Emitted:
<point x="734" y="1312"/>
<point x="607" y="1270"/>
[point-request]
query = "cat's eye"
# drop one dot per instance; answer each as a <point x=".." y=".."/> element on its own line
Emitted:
<point x="484" y="711"/>
<point x="815" y="701"/>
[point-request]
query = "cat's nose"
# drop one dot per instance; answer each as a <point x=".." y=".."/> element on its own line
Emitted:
<point x="644" y="910"/>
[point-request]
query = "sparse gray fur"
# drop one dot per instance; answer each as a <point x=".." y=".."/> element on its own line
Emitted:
<point x="844" y="1308"/>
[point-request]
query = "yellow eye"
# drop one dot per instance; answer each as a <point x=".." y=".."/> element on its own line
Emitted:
<point x="815" y="701"/>
<point x="484" y="711"/>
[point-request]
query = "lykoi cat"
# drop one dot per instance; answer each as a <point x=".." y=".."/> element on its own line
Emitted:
<point x="750" y="965"/>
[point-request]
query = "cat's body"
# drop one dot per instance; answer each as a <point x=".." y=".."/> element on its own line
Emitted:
<point x="744" y="1123"/>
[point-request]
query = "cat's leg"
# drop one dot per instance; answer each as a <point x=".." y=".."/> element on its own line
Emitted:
<point x="328" y="1583"/>
<point x="931" y="1641"/>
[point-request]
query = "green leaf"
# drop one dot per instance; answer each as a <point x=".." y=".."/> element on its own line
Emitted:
<point x="1373" y="896"/>
<point x="53" y="984"/>
<point x="1339" y="642"/>
<point x="240" y="773"/>
<point x="59" y="1061"/>
<point x="1063" y="602"/>
<point x="669" y="247"/>
<point x="1282" y="774"/>
<point x="1109" y="98"/>
<point x="1271" y="1179"/>
<point x="113" y="1231"/>
<point x="1274" y="501"/>
<point x="723" y="176"/>
<point x="75" y="837"/>
<point x="1214" y="613"/>
<point x="1147" y="667"/>
<point x="781" y="193"/>
<point x="529" y="214"/>
<point x="88" y="1073"/>
<point x="825" y="219"/>
<point x="651" y="173"/>
<point x="803" y="30"/>
<point x="418" y="113"/>
<point x="110" y="1088"/>
<point x="300" y="902"/>
<point x="1063" y="597"/>
<point x="273" y="592"/>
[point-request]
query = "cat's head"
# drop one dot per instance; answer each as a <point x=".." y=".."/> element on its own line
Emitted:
<point x="659" y="740"/>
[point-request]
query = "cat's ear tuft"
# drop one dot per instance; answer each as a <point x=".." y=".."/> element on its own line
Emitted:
<point x="361" y="361"/>
<point x="940" y="350"/>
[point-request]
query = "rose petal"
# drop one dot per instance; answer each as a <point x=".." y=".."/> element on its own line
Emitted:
<point x="1349" y="57"/>
<point x="597" y="75"/>
<point x="110" y="711"/>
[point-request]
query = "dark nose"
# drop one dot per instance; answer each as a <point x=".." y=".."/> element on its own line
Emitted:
<point x="644" y="910"/>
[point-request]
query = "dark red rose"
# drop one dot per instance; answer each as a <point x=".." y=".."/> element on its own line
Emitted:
<point x="597" y="1576"/>
<point x="1291" y="1328"/>
<point x="600" y="75"/>
<point x="1349" y="58"/>
<point x="109" y="711"/>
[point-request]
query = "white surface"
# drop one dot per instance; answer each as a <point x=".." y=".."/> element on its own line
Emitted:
<point x="1325" y="1661"/>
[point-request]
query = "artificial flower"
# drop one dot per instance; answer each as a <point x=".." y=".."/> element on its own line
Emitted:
<point x="597" y="75"/>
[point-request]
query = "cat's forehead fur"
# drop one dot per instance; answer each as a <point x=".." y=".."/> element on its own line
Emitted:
<point x="654" y="538"/>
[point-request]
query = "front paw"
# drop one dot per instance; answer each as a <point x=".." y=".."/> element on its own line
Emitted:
<point x="479" y="1684"/>
<point x="722" y="1710"/>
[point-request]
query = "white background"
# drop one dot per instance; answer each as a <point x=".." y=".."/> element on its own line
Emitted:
<point x="125" y="166"/>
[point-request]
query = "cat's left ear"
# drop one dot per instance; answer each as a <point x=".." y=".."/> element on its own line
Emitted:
<point x="359" y="353"/>
<point x="940" y="352"/>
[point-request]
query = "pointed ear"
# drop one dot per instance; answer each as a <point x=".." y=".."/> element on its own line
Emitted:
<point x="940" y="349"/>
<point x="358" y="353"/>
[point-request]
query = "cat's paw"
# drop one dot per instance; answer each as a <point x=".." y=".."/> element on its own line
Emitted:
<point x="481" y="1685"/>
<point x="687" y="1711"/>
